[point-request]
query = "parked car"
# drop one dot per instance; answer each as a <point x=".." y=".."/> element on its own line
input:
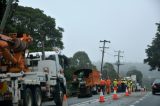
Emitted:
<point x="156" y="86"/>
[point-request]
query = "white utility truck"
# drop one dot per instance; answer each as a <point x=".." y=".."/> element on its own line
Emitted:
<point x="28" y="80"/>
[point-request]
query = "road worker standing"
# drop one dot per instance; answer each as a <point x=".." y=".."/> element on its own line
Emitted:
<point x="115" y="84"/>
<point x="123" y="86"/>
<point x="108" y="85"/>
<point x="129" y="84"/>
<point x="119" y="85"/>
<point x="102" y="85"/>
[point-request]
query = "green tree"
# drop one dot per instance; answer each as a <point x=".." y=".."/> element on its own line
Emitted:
<point x="81" y="60"/>
<point x="69" y="73"/>
<point x="153" y="52"/>
<point x="108" y="70"/>
<point x="38" y="25"/>
<point x="138" y="74"/>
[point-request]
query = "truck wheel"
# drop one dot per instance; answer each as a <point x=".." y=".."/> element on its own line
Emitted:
<point x="90" y="92"/>
<point x="59" y="96"/>
<point x="28" y="98"/>
<point x="6" y="103"/>
<point x="37" y="97"/>
<point x="79" y="96"/>
<point x="153" y="92"/>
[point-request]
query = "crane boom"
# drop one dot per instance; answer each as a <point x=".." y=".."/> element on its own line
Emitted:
<point x="12" y="51"/>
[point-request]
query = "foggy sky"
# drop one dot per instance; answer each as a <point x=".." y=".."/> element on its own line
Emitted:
<point x="128" y="24"/>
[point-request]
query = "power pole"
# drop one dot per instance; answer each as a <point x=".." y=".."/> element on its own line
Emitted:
<point x="104" y="41"/>
<point x="118" y="61"/>
<point x="6" y="15"/>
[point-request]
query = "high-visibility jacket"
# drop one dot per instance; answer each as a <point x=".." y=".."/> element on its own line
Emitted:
<point x="115" y="83"/>
<point x="119" y="82"/>
<point x="125" y="82"/>
<point x="108" y="82"/>
<point x="129" y="84"/>
<point x="102" y="82"/>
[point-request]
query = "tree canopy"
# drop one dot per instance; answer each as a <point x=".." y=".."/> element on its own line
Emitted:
<point x="81" y="60"/>
<point x="153" y="52"/>
<point x="38" y="25"/>
<point x="108" y="70"/>
<point x="138" y="74"/>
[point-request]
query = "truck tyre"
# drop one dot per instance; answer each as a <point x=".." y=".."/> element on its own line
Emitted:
<point x="59" y="95"/>
<point x="27" y="97"/>
<point x="79" y="96"/>
<point x="90" y="93"/>
<point x="37" y="97"/>
<point x="153" y="92"/>
<point x="6" y="103"/>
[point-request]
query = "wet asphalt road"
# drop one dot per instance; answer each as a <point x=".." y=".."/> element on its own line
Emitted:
<point x="134" y="99"/>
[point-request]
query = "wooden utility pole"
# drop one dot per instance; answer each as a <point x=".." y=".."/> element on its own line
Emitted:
<point x="6" y="15"/>
<point x="104" y="41"/>
<point x="118" y="61"/>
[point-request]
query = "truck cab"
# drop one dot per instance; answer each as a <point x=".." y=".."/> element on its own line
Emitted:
<point x="52" y="68"/>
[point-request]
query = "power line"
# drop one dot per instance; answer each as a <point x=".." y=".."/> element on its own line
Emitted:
<point x="110" y="54"/>
<point x="104" y="41"/>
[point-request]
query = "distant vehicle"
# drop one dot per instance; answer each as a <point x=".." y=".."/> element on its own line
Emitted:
<point x="156" y="86"/>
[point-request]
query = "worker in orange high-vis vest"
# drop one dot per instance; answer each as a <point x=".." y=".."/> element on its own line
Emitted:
<point x="102" y="85"/>
<point x="108" y="85"/>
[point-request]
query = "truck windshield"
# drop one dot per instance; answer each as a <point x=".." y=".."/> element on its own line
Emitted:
<point x="51" y="57"/>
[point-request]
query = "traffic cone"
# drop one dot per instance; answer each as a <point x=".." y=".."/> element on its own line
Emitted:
<point x="101" y="98"/>
<point x="65" y="103"/>
<point x="126" y="94"/>
<point x="115" y="96"/>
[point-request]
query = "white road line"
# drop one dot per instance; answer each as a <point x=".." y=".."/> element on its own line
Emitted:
<point x="141" y="99"/>
<point x="92" y="101"/>
<point x="131" y="105"/>
<point x="86" y="102"/>
<point x="137" y="101"/>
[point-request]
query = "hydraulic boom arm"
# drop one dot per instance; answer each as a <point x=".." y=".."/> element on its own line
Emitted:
<point x="12" y="51"/>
